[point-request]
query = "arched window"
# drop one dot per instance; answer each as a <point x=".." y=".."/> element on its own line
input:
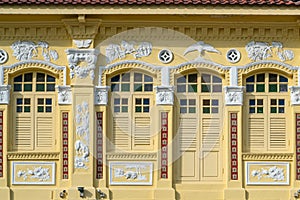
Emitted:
<point x="33" y="101"/>
<point x="200" y="110"/>
<point x="266" y="112"/>
<point x="131" y="101"/>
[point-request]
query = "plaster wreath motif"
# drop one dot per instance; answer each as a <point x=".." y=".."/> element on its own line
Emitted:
<point x="40" y="173"/>
<point x="82" y="132"/>
<point x="258" y="51"/>
<point x="275" y="173"/>
<point x="26" y="50"/>
<point x="116" y="51"/>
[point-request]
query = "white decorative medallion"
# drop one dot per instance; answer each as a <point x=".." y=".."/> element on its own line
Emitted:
<point x="27" y="50"/>
<point x="4" y="94"/>
<point x="83" y="134"/>
<point x="82" y="62"/>
<point x="101" y="95"/>
<point x="234" y="95"/>
<point x="165" y="56"/>
<point x="130" y="173"/>
<point x="267" y="173"/>
<point x="3" y="56"/>
<point x="64" y="94"/>
<point x="138" y="50"/>
<point x="258" y="51"/>
<point x="164" y="95"/>
<point x="202" y="48"/>
<point x="233" y="56"/>
<point x="33" y="173"/>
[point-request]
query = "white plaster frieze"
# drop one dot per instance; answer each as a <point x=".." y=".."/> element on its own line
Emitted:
<point x="27" y="50"/>
<point x="82" y="62"/>
<point x="295" y="95"/>
<point x="164" y="95"/>
<point x="202" y="48"/>
<point x="233" y="95"/>
<point x="119" y="51"/>
<point x="64" y="94"/>
<point x="101" y="95"/>
<point x="83" y="134"/>
<point x="82" y="43"/>
<point x="258" y="51"/>
<point x="4" y="94"/>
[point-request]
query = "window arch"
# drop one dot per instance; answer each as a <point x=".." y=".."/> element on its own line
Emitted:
<point x="266" y="112"/>
<point x="200" y="102"/>
<point x="33" y="112"/>
<point x="131" y="102"/>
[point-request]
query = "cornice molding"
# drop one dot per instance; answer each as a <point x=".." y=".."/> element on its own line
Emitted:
<point x="131" y="156"/>
<point x="33" y="156"/>
<point x="267" y="156"/>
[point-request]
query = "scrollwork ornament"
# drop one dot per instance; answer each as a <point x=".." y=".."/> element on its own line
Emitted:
<point x="4" y="94"/>
<point x="234" y="95"/>
<point x="295" y="95"/>
<point x="64" y="94"/>
<point x="101" y="95"/>
<point x="164" y="95"/>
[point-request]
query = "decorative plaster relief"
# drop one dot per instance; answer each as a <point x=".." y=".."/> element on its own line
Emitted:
<point x="3" y="56"/>
<point x="83" y="134"/>
<point x="26" y="50"/>
<point x="267" y="173"/>
<point x="33" y="173"/>
<point x="258" y="51"/>
<point x="233" y="56"/>
<point x="82" y="62"/>
<point x="116" y="51"/>
<point x="201" y="47"/>
<point x="233" y="95"/>
<point x="4" y="94"/>
<point x="164" y="95"/>
<point x="82" y="43"/>
<point x="130" y="173"/>
<point x="295" y="95"/>
<point x="64" y="94"/>
<point x="165" y="56"/>
<point x="101" y="95"/>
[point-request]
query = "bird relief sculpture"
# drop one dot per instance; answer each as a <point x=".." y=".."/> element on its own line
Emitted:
<point x="258" y="51"/>
<point x="116" y="51"/>
<point x="202" y="48"/>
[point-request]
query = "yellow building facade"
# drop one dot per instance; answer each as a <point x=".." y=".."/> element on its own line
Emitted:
<point x="157" y="102"/>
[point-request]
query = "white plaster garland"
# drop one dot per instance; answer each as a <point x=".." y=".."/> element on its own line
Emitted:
<point x="39" y="173"/>
<point x="295" y="95"/>
<point x="26" y="50"/>
<point x="4" y="94"/>
<point x="64" y="94"/>
<point x="275" y="173"/>
<point x="83" y="134"/>
<point x="234" y="95"/>
<point x="258" y="51"/>
<point x="82" y="43"/>
<point x="82" y="62"/>
<point x="101" y="95"/>
<point x="201" y="47"/>
<point x="164" y="95"/>
<point x="116" y="51"/>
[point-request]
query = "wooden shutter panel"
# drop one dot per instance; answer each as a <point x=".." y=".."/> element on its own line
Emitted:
<point x="23" y="133"/>
<point x="188" y="133"/>
<point x="256" y="130"/>
<point x="44" y="132"/>
<point x="277" y="133"/>
<point x="121" y="131"/>
<point x="211" y="132"/>
<point x="141" y="135"/>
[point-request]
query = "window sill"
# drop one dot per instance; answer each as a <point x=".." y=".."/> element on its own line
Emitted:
<point x="33" y="155"/>
<point x="268" y="156"/>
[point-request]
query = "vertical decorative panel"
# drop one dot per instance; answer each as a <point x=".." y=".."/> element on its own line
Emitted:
<point x="99" y="146"/>
<point x="233" y="146"/>
<point x="65" y="144"/>
<point x="164" y="145"/>
<point x="298" y="146"/>
<point x="1" y="143"/>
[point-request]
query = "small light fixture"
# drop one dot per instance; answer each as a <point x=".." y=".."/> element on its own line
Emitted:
<point x="62" y="194"/>
<point x="81" y="190"/>
<point x="102" y="195"/>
